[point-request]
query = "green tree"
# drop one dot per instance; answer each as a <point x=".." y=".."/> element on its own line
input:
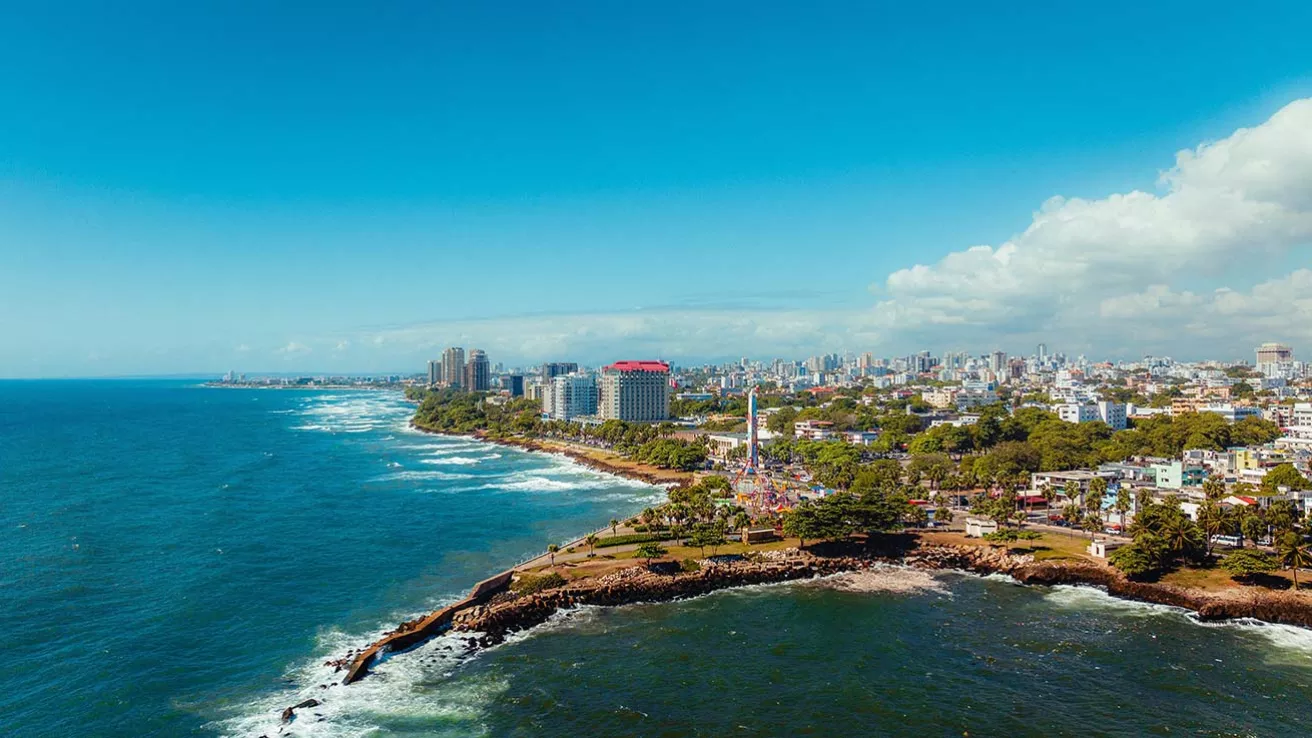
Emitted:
<point x="1133" y="560"/>
<point x="1293" y="552"/>
<point x="1284" y="475"/>
<point x="591" y="540"/>
<point x="1212" y="519"/>
<point x="651" y="551"/>
<point x="1282" y="514"/>
<point x="804" y="523"/>
<point x="614" y="525"/>
<point x="1247" y="562"/>
<point x="552" y="549"/>
<point x="1252" y="526"/>
<point x="1123" y="504"/>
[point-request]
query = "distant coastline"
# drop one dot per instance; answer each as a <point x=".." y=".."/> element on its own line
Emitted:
<point x="302" y="387"/>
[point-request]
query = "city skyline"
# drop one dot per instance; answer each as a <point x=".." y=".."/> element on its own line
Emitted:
<point x="765" y="184"/>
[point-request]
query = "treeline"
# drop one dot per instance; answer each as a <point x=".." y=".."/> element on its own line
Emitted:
<point x="1164" y="537"/>
<point x="871" y="511"/>
<point x="459" y="411"/>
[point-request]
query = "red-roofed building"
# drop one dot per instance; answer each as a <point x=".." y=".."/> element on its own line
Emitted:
<point x="635" y="391"/>
<point x="639" y="366"/>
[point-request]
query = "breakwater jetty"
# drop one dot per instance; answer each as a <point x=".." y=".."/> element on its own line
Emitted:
<point x="414" y="632"/>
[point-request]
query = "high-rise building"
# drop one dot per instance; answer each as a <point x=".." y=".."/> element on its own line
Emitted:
<point x="997" y="361"/>
<point x="1274" y="353"/>
<point x="434" y="372"/>
<point x="571" y="396"/>
<point x="553" y="369"/>
<point x="1043" y="352"/>
<point x="453" y="366"/>
<point x="478" y="372"/>
<point x="637" y="391"/>
<point x="513" y="383"/>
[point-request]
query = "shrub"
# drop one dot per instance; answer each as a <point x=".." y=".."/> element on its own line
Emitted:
<point x="690" y="565"/>
<point x="529" y="583"/>
<point x="633" y="538"/>
<point x="1247" y="562"/>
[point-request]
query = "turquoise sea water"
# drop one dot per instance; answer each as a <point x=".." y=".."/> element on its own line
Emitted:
<point x="177" y="560"/>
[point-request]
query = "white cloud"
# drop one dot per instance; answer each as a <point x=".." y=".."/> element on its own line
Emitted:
<point x="242" y="349"/>
<point x="294" y="348"/>
<point x="1125" y="274"/>
<point x="1089" y="270"/>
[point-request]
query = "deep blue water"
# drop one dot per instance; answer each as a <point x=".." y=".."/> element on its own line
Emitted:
<point x="170" y="553"/>
<point x="177" y="560"/>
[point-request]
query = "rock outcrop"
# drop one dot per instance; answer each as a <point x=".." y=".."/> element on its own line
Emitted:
<point x="509" y="613"/>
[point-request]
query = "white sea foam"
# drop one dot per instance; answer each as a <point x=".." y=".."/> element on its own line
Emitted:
<point x="460" y="460"/>
<point x="412" y="686"/>
<point x="423" y="475"/>
<point x="887" y="580"/>
<point x="361" y="412"/>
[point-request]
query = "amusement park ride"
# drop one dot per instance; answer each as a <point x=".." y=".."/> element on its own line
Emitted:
<point x="753" y="486"/>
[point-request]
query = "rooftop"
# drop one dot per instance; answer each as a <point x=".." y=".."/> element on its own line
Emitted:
<point x="639" y="366"/>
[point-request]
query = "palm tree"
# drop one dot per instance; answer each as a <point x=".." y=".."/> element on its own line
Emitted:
<point x="1091" y="523"/>
<point x="1294" y="553"/>
<point x="591" y="540"/>
<point x="613" y="525"/>
<point x="1049" y="494"/>
<point x="1123" y="505"/>
<point x="1213" y="489"/>
<point x="741" y="520"/>
<point x="1211" y="519"/>
<point x="1181" y="535"/>
<point x="552" y="549"/>
<point x="1072" y="490"/>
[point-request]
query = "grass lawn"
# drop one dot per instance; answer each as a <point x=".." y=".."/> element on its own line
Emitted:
<point x="1048" y="547"/>
<point x="1209" y="579"/>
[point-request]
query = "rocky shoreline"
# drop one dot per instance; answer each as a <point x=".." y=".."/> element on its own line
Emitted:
<point x="507" y="613"/>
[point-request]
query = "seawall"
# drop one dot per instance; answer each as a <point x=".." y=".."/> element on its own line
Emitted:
<point x="414" y="632"/>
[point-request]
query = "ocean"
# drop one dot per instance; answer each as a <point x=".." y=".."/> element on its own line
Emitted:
<point x="178" y="560"/>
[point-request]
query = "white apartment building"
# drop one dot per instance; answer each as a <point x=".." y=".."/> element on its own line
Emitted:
<point x="635" y="391"/>
<point x="570" y="396"/>
<point x="814" y="430"/>
<point x="1230" y="412"/>
<point x="1112" y="413"/>
<point x="940" y="397"/>
<point x="1076" y="412"/>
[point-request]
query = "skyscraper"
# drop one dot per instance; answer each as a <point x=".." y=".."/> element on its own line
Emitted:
<point x="513" y="383"/>
<point x="1274" y="353"/>
<point x="997" y="361"/>
<point x="635" y="391"/>
<point x="434" y="372"/>
<point x="557" y="368"/>
<point x="478" y="373"/>
<point x="453" y="366"/>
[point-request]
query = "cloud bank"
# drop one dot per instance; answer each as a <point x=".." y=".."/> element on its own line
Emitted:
<point x="1118" y="270"/>
<point x="1192" y="270"/>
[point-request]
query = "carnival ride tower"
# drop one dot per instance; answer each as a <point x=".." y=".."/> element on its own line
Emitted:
<point x="753" y="449"/>
<point x="752" y="485"/>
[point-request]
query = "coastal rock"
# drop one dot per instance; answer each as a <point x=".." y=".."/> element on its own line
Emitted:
<point x="290" y="713"/>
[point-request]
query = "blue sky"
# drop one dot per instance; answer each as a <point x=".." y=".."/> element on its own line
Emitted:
<point x="193" y="187"/>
